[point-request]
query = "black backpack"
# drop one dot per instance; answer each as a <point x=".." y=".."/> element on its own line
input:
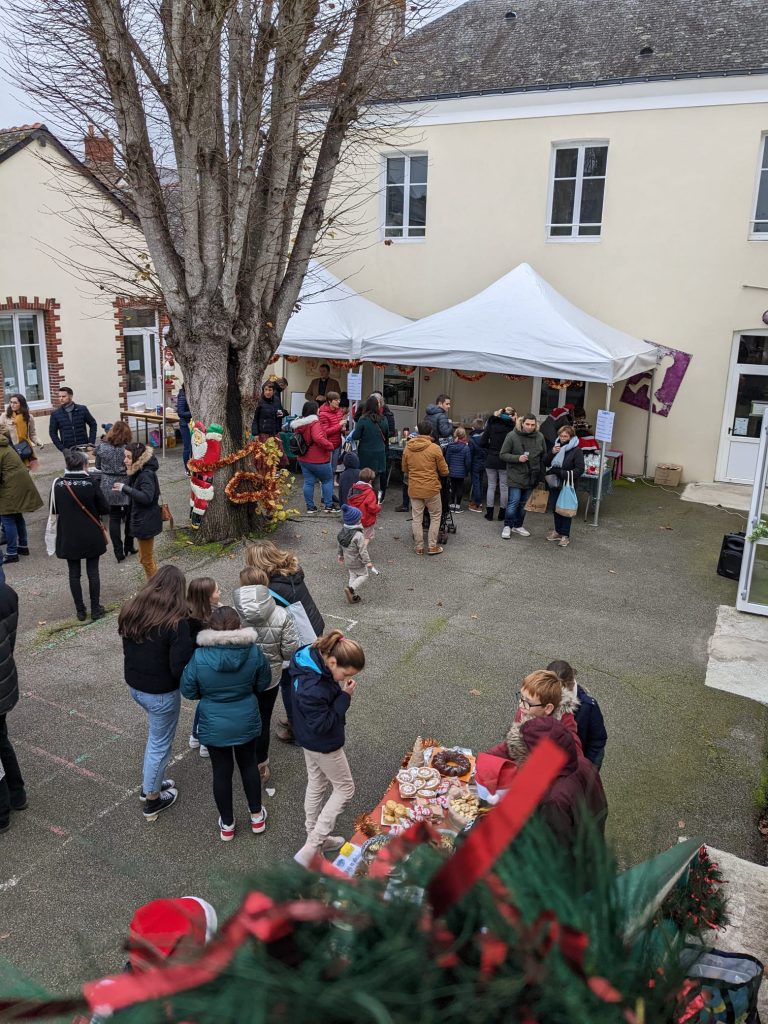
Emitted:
<point x="297" y="446"/>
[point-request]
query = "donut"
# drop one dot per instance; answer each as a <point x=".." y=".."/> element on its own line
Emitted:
<point x="451" y="763"/>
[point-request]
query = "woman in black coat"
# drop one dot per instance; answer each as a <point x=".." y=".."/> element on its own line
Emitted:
<point x="144" y="518"/>
<point x="79" y="503"/>
<point x="566" y="457"/>
<point x="494" y="435"/>
<point x="268" y="418"/>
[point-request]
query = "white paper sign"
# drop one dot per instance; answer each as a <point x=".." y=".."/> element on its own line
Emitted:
<point x="604" y="426"/>
<point x="355" y="386"/>
<point x="31" y="378"/>
<point x="134" y="364"/>
<point x="741" y="426"/>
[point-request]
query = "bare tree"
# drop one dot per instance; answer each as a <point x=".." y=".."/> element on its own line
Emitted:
<point x="249" y="103"/>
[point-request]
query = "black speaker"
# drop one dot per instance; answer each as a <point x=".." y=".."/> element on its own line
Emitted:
<point x="731" y="554"/>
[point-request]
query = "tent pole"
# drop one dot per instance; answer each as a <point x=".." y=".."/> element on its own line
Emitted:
<point x="651" y="388"/>
<point x="603" y="445"/>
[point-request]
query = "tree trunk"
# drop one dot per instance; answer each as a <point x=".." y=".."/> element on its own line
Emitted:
<point x="221" y="379"/>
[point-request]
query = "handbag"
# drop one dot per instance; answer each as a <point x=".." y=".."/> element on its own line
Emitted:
<point x="567" y="501"/>
<point x="537" y="500"/>
<point x="52" y="525"/>
<point x="721" y="987"/>
<point x="296" y="610"/>
<point x="93" y="518"/>
<point x="24" y="450"/>
<point x="166" y="516"/>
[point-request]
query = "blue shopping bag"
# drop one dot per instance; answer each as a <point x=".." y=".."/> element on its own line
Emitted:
<point x="567" y="502"/>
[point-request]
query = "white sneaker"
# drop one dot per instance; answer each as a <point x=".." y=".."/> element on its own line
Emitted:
<point x="332" y="843"/>
<point x="305" y="855"/>
<point x="506" y="533"/>
<point x="204" y="751"/>
<point x="194" y="742"/>
<point x="259" y="821"/>
<point x="521" y="531"/>
<point x="227" y="832"/>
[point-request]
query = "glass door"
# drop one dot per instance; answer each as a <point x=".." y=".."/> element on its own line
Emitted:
<point x="144" y="368"/>
<point x="746" y="401"/>
<point x="753" y="583"/>
<point x="554" y="398"/>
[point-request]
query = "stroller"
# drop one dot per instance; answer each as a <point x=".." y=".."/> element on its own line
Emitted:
<point x="447" y="522"/>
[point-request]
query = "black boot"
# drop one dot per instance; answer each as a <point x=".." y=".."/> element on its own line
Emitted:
<point x="489" y="513"/>
<point x="81" y="614"/>
<point x="98" y="612"/>
<point x="129" y="548"/>
<point x="502" y="513"/>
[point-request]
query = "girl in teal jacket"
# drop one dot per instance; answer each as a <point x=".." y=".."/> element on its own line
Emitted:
<point x="225" y="673"/>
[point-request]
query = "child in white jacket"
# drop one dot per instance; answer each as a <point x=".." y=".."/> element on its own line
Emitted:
<point x="353" y="551"/>
<point x="278" y="639"/>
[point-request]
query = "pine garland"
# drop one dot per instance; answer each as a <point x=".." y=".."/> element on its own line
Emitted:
<point x="699" y="903"/>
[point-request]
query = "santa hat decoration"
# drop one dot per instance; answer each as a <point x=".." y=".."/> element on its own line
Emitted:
<point x="561" y="410"/>
<point x="162" y="927"/>
<point x="214" y="432"/>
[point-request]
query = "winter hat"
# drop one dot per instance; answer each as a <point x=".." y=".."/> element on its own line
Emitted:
<point x="352" y="515"/>
<point x="162" y="927"/>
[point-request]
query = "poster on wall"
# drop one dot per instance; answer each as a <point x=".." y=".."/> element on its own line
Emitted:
<point x="669" y="376"/>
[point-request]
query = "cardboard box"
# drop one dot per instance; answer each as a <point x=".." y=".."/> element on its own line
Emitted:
<point x="668" y="474"/>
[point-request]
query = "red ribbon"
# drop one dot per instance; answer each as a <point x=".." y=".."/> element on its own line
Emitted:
<point x="259" y="916"/>
<point x="493" y="834"/>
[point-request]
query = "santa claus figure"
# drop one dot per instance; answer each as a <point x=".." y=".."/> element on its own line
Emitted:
<point x="206" y="451"/>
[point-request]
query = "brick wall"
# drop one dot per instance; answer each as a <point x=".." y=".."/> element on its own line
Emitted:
<point x="52" y="331"/>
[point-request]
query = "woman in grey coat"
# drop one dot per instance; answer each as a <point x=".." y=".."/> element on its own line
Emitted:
<point x="110" y="459"/>
<point x="277" y="637"/>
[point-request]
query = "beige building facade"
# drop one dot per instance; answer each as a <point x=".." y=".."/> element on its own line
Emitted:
<point x="678" y="259"/>
<point x="64" y="315"/>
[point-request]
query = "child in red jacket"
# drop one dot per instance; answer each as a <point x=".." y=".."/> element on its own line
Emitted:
<point x="362" y="495"/>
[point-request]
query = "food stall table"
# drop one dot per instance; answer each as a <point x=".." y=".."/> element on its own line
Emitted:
<point x="150" y="418"/>
<point x="588" y="482"/>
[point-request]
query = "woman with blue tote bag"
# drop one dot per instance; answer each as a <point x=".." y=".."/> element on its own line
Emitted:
<point x="565" y="464"/>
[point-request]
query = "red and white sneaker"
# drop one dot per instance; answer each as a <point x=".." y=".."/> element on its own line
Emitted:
<point x="259" y="821"/>
<point x="227" y="832"/>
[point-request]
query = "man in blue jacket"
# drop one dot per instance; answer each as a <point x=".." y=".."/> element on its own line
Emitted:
<point x="68" y="423"/>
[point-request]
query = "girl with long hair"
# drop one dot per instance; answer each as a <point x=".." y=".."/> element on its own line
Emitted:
<point x="21" y="429"/>
<point x="323" y="683"/>
<point x="156" y="648"/>
<point x="203" y="597"/>
<point x="225" y="674"/>
<point x="143" y="489"/>
<point x="110" y="459"/>
<point x="286" y="582"/>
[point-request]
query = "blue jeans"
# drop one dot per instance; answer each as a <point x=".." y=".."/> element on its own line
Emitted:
<point x="15" y="532"/>
<point x="516" y="499"/>
<point x="163" y="714"/>
<point x="335" y="458"/>
<point x="477" y="484"/>
<point x="315" y="472"/>
<point x="186" y="442"/>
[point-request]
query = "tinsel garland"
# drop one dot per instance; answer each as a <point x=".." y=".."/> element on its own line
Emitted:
<point x="560" y="385"/>
<point x="472" y="377"/>
<point x="514" y="376"/>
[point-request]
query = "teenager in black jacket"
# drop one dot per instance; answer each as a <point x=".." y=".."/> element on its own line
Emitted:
<point x="268" y="418"/>
<point x="143" y="489"/>
<point x="13" y="796"/>
<point x="494" y="435"/>
<point x="80" y="503"/>
<point x="156" y="648"/>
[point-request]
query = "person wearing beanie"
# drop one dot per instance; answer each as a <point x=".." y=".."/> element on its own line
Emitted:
<point x="353" y="551"/>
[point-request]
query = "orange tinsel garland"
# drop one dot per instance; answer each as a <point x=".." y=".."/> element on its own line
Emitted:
<point x="291" y="359"/>
<point x="244" y="497"/>
<point x="469" y="376"/>
<point x="513" y="376"/>
<point x="559" y="385"/>
<point x="407" y="370"/>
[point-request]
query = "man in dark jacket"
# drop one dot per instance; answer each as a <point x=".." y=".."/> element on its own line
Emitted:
<point x="185" y="418"/>
<point x="13" y="796"/>
<point x="68" y="423"/>
<point x="268" y="418"/>
<point x="523" y="451"/>
<point x="576" y="791"/>
<point x="437" y="415"/>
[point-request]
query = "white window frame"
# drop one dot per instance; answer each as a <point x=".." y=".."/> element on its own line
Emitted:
<point x="399" y="154"/>
<point x="580" y="145"/>
<point x="40" y="403"/>
<point x="758" y="236"/>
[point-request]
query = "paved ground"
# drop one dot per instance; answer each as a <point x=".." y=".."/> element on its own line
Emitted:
<point x="448" y="639"/>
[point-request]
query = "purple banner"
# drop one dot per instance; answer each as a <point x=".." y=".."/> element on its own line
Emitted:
<point x="669" y="376"/>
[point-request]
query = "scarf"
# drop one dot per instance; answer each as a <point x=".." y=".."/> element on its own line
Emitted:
<point x="559" y="458"/>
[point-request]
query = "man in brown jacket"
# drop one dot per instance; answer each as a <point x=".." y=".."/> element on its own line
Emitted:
<point x="425" y="464"/>
<point x="321" y="385"/>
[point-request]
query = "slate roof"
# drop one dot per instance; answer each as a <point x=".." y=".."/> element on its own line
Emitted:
<point x="552" y="44"/>
<point x="10" y="137"/>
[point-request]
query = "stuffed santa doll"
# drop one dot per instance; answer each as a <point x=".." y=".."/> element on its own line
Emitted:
<point x="206" y="451"/>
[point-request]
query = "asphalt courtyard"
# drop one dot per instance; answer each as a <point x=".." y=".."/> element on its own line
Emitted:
<point x="447" y="640"/>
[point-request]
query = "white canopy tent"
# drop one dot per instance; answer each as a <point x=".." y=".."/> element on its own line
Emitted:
<point x="333" y="319"/>
<point x="518" y="325"/>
